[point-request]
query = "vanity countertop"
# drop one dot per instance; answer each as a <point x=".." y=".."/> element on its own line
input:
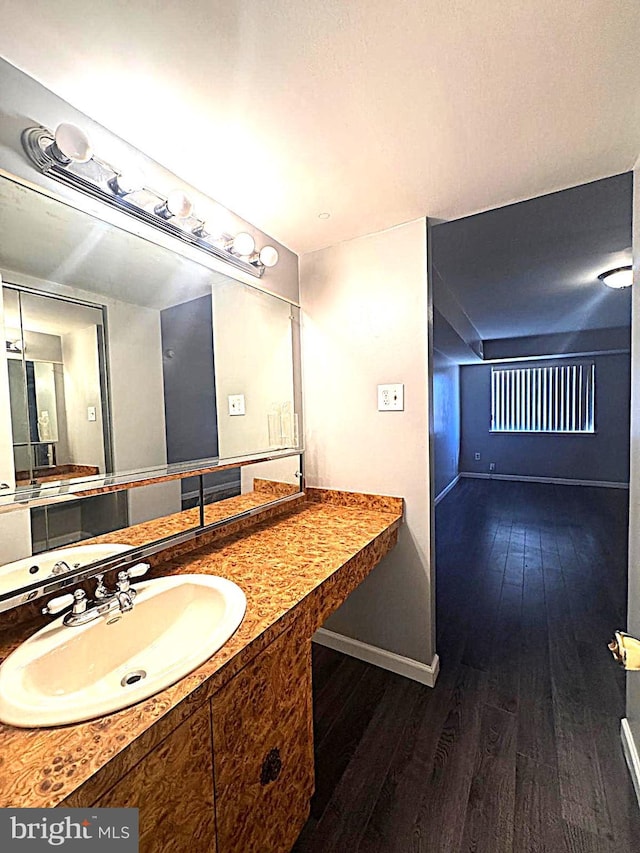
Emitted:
<point x="300" y="565"/>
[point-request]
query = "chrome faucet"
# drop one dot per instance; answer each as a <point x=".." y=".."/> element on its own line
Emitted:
<point x="60" y="567"/>
<point x="104" y="600"/>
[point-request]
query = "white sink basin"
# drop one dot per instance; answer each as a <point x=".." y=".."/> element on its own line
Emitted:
<point x="40" y="567"/>
<point x="67" y="674"/>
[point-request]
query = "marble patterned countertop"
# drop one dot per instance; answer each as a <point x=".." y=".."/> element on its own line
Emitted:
<point x="299" y="564"/>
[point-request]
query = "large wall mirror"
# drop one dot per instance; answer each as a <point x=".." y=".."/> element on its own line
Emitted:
<point x="123" y="361"/>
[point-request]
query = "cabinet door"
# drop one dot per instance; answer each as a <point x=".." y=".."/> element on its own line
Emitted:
<point x="263" y="750"/>
<point x="173" y="788"/>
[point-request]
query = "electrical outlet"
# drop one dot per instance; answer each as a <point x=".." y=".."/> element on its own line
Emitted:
<point x="391" y="398"/>
<point x="236" y="404"/>
<point x="91" y="413"/>
<point x="476" y="456"/>
<point x="492" y="466"/>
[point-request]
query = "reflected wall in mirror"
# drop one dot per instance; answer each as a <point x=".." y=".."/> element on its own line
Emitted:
<point x="69" y="535"/>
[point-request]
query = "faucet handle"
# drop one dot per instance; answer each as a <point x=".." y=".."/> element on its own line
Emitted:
<point x="58" y="604"/>
<point x="79" y="601"/>
<point x="124" y="577"/>
<point x="138" y="570"/>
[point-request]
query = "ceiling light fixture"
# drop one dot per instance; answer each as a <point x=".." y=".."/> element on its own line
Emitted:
<point x="617" y="278"/>
<point x="67" y="156"/>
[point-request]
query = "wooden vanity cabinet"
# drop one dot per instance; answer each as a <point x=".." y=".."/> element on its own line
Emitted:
<point x="260" y="764"/>
<point x="173" y="788"/>
<point x="263" y="750"/>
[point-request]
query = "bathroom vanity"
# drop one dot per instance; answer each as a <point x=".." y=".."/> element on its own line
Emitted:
<point x="222" y="760"/>
<point x="170" y="363"/>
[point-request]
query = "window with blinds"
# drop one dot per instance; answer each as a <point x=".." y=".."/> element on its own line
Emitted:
<point x="544" y="399"/>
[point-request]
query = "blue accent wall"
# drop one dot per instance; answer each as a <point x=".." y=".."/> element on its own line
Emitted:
<point x="602" y="457"/>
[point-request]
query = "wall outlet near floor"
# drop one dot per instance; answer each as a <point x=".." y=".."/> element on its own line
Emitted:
<point x="476" y="456"/>
<point x="391" y="398"/>
<point x="492" y="466"/>
<point x="236" y="404"/>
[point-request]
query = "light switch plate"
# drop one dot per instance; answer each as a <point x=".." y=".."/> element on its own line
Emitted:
<point x="236" y="404"/>
<point x="391" y="397"/>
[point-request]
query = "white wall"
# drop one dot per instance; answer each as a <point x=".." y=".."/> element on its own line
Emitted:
<point x="253" y="354"/>
<point x="137" y="405"/>
<point x="633" y="678"/>
<point x="365" y="321"/>
<point x="85" y="439"/>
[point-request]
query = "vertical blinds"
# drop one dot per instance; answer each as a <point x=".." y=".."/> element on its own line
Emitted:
<point x="543" y="399"/>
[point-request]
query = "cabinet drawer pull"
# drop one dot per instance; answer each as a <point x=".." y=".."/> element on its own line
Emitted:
<point x="271" y="767"/>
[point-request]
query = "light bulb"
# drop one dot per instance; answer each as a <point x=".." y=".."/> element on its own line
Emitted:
<point x="177" y="204"/>
<point x="618" y="278"/>
<point x="268" y="256"/>
<point x="243" y="244"/>
<point x="70" y="145"/>
<point x="127" y="182"/>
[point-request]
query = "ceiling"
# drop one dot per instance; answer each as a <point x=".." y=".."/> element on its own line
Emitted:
<point x="532" y="268"/>
<point x="374" y="112"/>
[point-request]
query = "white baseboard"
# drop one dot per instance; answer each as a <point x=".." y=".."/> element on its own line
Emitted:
<point x="605" y="484"/>
<point x="417" y="671"/>
<point x="631" y="755"/>
<point x="446" y="490"/>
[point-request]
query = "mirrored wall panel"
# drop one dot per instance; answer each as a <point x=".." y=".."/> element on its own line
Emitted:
<point x="58" y="538"/>
<point x="122" y="356"/>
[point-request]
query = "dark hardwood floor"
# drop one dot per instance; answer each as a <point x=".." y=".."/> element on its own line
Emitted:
<point x="517" y="749"/>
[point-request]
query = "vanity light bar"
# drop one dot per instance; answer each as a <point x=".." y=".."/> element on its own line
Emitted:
<point x="67" y="156"/>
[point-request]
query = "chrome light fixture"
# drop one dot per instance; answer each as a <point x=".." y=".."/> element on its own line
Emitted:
<point x="617" y="278"/>
<point x="67" y="156"/>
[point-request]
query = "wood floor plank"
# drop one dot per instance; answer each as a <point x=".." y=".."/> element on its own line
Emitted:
<point x="324" y="662"/>
<point x="488" y="825"/>
<point x="438" y="827"/>
<point x="337" y="748"/>
<point x="582" y="788"/>
<point x="394" y="815"/>
<point x="538" y="824"/>
<point x="347" y="814"/>
<point x="504" y="680"/>
<point x="536" y="731"/>
<point x="335" y="693"/>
